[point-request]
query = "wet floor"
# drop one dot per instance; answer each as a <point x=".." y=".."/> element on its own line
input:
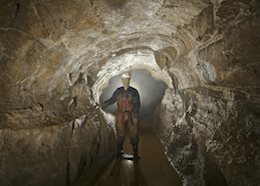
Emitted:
<point x="152" y="169"/>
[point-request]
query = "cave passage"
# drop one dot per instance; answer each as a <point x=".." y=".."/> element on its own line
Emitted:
<point x="195" y="64"/>
<point x="152" y="169"/>
<point x="151" y="91"/>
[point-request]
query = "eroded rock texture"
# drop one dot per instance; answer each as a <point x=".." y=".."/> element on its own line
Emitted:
<point x="214" y="139"/>
<point x="57" y="56"/>
<point x="58" y="153"/>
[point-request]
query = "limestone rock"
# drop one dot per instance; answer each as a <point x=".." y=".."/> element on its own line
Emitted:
<point x="57" y="56"/>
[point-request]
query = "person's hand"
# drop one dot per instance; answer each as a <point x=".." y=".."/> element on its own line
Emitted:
<point x="135" y="120"/>
<point x="99" y="105"/>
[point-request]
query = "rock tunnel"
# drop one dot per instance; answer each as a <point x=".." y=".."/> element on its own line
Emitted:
<point x="57" y="58"/>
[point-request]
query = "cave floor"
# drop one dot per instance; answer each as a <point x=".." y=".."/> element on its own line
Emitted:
<point x="152" y="169"/>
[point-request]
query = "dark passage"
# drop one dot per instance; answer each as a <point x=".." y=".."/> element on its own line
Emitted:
<point x="152" y="169"/>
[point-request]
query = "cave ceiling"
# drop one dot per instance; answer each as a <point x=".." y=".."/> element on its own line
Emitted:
<point x="46" y="44"/>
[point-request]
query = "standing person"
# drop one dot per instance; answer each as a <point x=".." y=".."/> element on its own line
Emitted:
<point x="127" y="114"/>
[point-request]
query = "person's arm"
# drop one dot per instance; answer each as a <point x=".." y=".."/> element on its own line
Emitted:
<point x="110" y="101"/>
<point x="136" y="103"/>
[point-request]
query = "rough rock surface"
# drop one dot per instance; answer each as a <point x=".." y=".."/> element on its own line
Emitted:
<point x="58" y="153"/>
<point x="57" y="56"/>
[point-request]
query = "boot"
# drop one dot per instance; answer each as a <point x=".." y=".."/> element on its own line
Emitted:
<point x="119" y="151"/>
<point x="135" y="149"/>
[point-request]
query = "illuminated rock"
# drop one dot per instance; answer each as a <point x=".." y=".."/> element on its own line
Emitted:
<point x="58" y="56"/>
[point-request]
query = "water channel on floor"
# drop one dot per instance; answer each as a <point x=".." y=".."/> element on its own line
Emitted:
<point x="152" y="169"/>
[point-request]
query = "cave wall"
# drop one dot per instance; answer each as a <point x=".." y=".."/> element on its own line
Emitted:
<point x="55" y="56"/>
<point x="60" y="153"/>
<point x="53" y="155"/>
<point x="212" y="129"/>
<point x="214" y="138"/>
<point x="51" y="132"/>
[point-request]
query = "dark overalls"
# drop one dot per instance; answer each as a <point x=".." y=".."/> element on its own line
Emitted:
<point x="128" y="102"/>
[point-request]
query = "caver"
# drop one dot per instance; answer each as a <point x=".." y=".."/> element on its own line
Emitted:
<point x="127" y="114"/>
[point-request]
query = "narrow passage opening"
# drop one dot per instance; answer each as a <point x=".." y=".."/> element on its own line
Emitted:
<point x="151" y="91"/>
<point x="153" y="167"/>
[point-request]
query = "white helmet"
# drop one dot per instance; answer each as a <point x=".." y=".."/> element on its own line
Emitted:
<point x="125" y="75"/>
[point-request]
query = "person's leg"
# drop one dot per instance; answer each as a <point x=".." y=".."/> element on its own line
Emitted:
<point x="121" y="132"/>
<point x="134" y="142"/>
<point x="120" y="143"/>
<point x="134" y="139"/>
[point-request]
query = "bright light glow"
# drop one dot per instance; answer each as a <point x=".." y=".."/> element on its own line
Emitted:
<point x="151" y="91"/>
<point x="133" y="60"/>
